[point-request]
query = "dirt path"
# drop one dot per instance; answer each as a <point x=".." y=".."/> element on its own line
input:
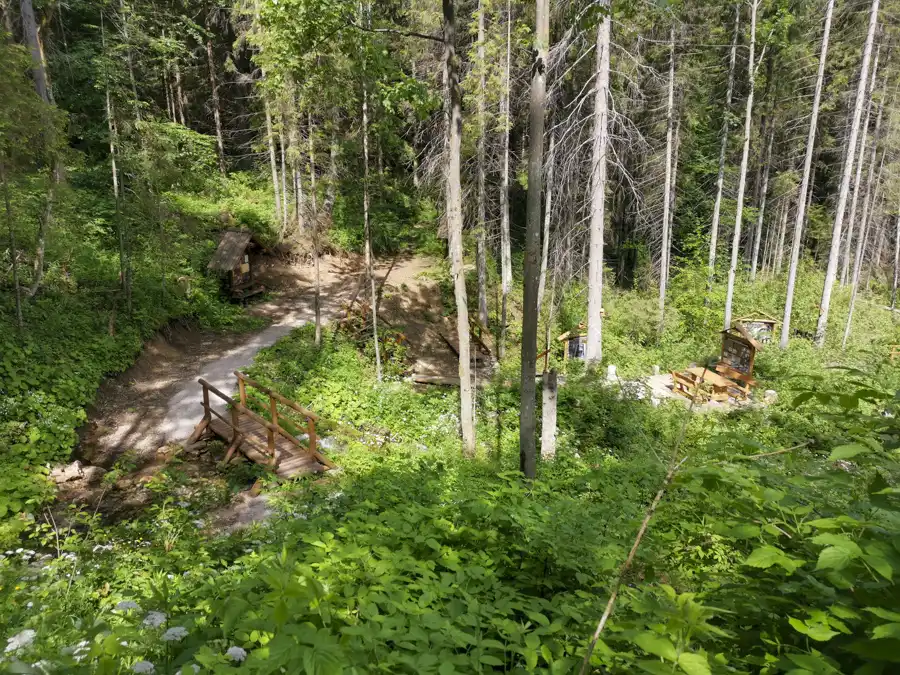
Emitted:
<point x="157" y="401"/>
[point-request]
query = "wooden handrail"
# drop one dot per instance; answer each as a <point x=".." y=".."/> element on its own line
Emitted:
<point x="278" y="397"/>
<point x="217" y="392"/>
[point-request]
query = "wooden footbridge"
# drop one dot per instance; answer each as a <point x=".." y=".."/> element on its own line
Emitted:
<point x="263" y="441"/>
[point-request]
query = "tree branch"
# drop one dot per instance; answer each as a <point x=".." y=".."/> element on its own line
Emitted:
<point x="397" y="31"/>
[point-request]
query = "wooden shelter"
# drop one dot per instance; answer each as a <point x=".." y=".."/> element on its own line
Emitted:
<point x="232" y="261"/>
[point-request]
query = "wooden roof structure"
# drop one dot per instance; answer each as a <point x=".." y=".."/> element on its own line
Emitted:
<point x="230" y="251"/>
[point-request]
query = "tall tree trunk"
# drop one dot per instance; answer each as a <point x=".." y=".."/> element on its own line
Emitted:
<point x="834" y="252"/>
<point x="667" y="186"/>
<point x="672" y="194"/>
<point x="855" y="155"/>
<point x="720" y="180"/>
<point x="455" y="229"/>
<point x="14" y="254"/>
<point x="180" y="99"/>
<point x="869" y="200"/>
<point x="594" y="344"/>
<point x="896" y="281"/>
<point x="782" y="233"/>
<point x="367" y="226"/>
<point x="273" y="161"/>
<point x="480" y="232"/>
<point x="548" y="205"/>
<point x="29" y="28"/>
<point x="742" y="179"/>
<point x="317" y="302"/>
<point x="217" y="114"/>
<point x="331" y="188"/>
<point x="804" y="183"/>
<point x="284" y="189"/>
<point x="505" y="245"/>
<point x="763" y="194"/>
<point x="527" y="421"/>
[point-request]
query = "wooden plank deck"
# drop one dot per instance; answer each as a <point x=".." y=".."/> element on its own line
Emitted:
<point x="292" y="460"/>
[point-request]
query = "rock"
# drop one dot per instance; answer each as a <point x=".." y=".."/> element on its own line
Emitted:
<point x="63" y="474"/>
<point x="770" y="396"/>
<point x="655" y="371"/>
<point x="611" y="375"/>
<point x="93" y="474"/>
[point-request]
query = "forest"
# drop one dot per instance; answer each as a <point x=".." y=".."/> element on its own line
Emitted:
<point x="470" y="336"/>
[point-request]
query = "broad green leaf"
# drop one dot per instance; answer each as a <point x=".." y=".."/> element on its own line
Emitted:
<point x="657" y="645"/>
<point x="813" y="663"/>
<point x="843" y="612"/>
<point x="694" y="664"/>
<point x="880" y="565"/>
<point x="886" y="630"/>
<point x="885" y="614"/>
<point x="833" y="558"/>
<point x="764" y="557"/>
<point x="839" y="540"/>
<point x="744" y="531"/>
<point x="847" y="451"/>
<point x="655" y="667"/>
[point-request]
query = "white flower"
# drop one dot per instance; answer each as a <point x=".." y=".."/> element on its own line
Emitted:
<point x="236" y="654"/>
<point x="20" y="641"/>
<point x="125" y="605"/>
<point x="175" y="633"/>
<point x="193" y="665"/>
<point x="29" y="605"/>
<point x="143" y="667"/>
<point x="154" y="619"/>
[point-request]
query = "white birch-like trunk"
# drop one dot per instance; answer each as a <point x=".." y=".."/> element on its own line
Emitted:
<point x="594" y="343"/>
<point x="896" y="260"/>
<point x="742" y="178"/>
<point x="720" y="179"/>
<point x="481" y="229"/>
<point x="804" y="184"/>
<point x="548" y="416"/>
<point x="834" y="252"/>
<point x="455" y="228"/>
<point x="548" y="206"/>
<point x="782" y="233"/>
<point x="855" y="155"/>
<point x="667" y="187"/>
<point x="763" y="194"/>
<point x="284" y="184"/>
<point x="370" y="258"/>
<point x="180" y="98"/>
<point x="505" y="244"/>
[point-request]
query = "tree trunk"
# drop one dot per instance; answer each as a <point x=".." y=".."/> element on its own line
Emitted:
<point x="505" y="245"/>
<point x="896" y="260"/>
<point x="834" y="252"/>
<point x="527" y="421"/>
<point x="370" y="258"/>
<point x="782" y="233"/>
<point x="29" y="28"/>
<point x="804" y="183"/>
<point x="217" y="115"/>
<point x="480" y="232"/>
<point x="331" y="188"/>
<point x="14" y="254"/>
<point x="742" y="179"/>
<point x="548" y="416"/>
<point x="273" y="161"/>
<point x="284" y="189"/>
<point x="720" y="180"/>
<point x="180" y="99"/>
<point x="868" y="208"/>
<point x="594" y="345"/>
<point x="667" y="186"/>
<point x="855" y="155"/>
<point x="672" y="194"/>
<point x="548" y="205"/>
<point x="314" y="216"/>
<point x="763" y="194"/>
<point x="130" y="61"/>
<point x="455" y="229"/>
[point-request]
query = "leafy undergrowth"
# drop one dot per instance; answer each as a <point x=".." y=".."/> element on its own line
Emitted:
<point x="413" y="559"/>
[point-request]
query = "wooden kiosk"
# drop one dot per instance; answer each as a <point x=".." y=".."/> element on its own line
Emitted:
<point x="232" y="262"/>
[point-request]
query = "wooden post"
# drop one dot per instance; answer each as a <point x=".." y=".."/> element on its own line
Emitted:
<point x="236" y="423"/>
<point x="273" y="410"/>
<point x="311" y="432"/>
<point x="242" y="388"/>
<point x="548" y="416"/>
<point x="206" y="414"/>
